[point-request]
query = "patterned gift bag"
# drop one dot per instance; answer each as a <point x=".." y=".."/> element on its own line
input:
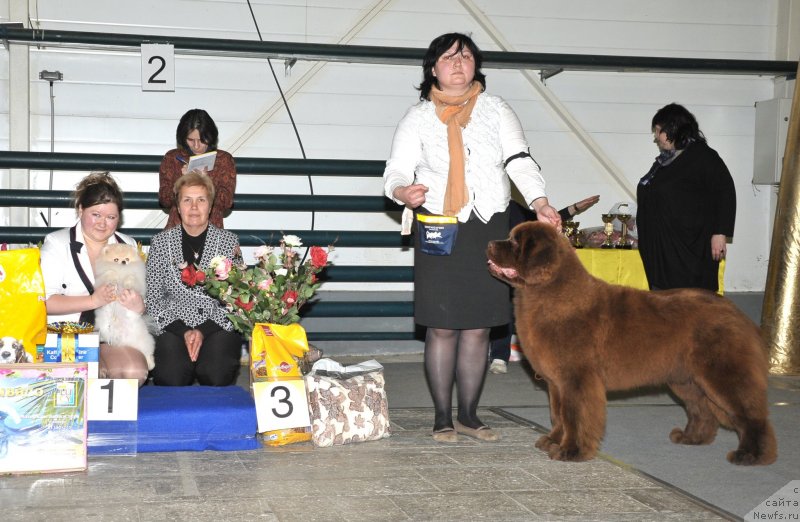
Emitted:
<point x="343" y="411"/>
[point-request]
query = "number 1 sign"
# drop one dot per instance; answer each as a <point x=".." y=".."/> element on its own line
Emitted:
<point x="158" y="67"/>
<point x="113" y="399"/>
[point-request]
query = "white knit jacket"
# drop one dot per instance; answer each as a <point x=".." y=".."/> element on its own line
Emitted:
<point x="494" y="134"/>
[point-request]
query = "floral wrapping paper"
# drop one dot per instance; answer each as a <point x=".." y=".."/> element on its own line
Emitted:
<point x="344" y="411"/>
<point x="42" y="418"/>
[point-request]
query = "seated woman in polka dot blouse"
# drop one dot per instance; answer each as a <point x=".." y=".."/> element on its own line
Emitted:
<point x="195" y="341"/>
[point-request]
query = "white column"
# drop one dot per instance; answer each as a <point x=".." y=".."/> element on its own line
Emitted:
<point x="787" y="35"/>
<point x="19" y="101"/>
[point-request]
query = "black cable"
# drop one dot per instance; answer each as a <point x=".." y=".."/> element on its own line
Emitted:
<point x="291" y="118"/>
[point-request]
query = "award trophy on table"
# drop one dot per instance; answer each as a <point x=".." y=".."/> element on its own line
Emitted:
<point x="623" y="238"/>
<point x="608" y="230"/>
<point x="570" y="229"/>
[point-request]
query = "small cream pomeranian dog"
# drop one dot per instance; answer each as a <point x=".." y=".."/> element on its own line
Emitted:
<point x="120" y="265"/>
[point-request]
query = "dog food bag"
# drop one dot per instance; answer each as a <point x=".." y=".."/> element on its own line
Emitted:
<point x="275" y="354"/>
<point x="23" y="317"/>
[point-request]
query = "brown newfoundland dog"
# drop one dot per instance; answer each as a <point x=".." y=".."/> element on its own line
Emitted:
<point x="586" y="337"/>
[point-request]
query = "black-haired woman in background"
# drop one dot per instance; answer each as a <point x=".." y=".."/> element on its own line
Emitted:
<point x="197" y="134"/>
<point x="686" y="206"/>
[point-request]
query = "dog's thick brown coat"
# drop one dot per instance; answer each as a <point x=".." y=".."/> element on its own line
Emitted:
<point x="586" y="337"/>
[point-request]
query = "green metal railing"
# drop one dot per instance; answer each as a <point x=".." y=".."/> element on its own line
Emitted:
<point x="136" y="163"/>
<point x="262" y="202"/>
<point x="268" y="202"/>
<point x="248" y="237"/>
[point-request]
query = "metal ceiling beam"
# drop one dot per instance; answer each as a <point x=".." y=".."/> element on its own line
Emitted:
<point x="391" y="55"/>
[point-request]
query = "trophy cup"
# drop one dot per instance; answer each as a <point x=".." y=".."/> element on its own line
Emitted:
<point x="571" y="232"/>
<point x="608" y="230"/>
<point x="623" y="238"/>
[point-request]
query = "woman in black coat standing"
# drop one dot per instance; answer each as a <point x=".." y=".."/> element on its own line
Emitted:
<point x="686" y="206"/>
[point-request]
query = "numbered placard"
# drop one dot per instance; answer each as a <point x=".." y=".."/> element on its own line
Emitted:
<point x="158" y="67"/>
<point x="113" y="399"/>
<point x="281" y="405"/>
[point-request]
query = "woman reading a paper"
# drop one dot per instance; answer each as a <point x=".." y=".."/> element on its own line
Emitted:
<point x="197" y="135"/>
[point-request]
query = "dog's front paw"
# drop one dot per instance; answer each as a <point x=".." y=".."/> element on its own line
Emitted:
<point x="545" y="443"/>
<point x="676" y="436"/>
<point x="571" y="454"/>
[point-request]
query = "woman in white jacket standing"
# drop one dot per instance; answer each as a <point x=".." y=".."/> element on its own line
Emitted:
<point x="452" y="156"/>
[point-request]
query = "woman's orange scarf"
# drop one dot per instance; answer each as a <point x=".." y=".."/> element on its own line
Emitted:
<point x="455" y="111"/>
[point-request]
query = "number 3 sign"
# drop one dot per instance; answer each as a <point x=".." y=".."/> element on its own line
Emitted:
<point x="158" y="67"/>
<point x="281" y="404"/>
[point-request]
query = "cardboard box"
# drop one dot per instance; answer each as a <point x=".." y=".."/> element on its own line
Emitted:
<point x="71" y="348"/>
<point x="42" y="418"/>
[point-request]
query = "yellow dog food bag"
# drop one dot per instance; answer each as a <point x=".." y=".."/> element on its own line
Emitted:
<point x="23" y="317"/>
<point x="275" y="352"/>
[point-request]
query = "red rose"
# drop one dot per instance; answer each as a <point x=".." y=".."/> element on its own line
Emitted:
<point x="244" y="306"/>
<point x="189" y="276"/>
<point x="199" y="276"/>
<point x="313" y="279"/>
<point x="290" y="297"/>
<point x="319" y="257"/>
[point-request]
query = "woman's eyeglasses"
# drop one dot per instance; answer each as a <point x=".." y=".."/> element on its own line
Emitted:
<point x="452" y="58"/>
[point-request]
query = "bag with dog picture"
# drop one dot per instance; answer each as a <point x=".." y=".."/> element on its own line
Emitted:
<point x="437" y="234"/>
<point x="23" y="317"/>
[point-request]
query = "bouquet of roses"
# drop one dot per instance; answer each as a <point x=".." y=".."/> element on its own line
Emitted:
<point x="271" y="291"/>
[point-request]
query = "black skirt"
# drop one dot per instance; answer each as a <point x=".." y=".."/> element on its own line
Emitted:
<point x="457" y="292"/>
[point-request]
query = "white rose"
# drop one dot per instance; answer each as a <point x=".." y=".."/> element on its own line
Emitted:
<point x="216" y="261"/>
<point x="292" y="241"/>
<point x="281" y="272"/>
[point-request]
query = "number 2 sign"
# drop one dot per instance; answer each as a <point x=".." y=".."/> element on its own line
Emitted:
<point x="158" y="67"/>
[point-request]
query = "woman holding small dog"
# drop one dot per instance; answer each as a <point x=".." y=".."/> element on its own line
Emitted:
<point x="195" y="338"/>
<point x="451" y="159"/>
<point x="68" y="259"/>
<point x="686" y="206"/>
<point x="197" y="134"/>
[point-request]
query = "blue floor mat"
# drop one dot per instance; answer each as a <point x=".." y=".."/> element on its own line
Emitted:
<point x="184" y="418"/>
